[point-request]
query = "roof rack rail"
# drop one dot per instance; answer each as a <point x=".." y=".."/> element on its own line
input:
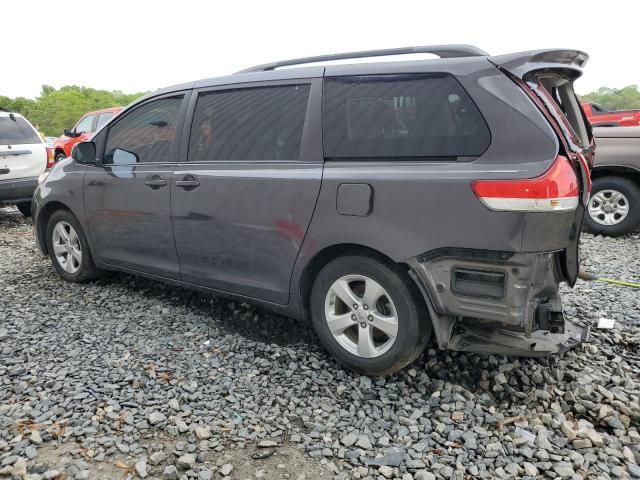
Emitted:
<point x="2" y="109"/>
<point x="443" y="51"/>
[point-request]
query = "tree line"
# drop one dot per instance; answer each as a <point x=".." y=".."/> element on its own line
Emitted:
<point x="57" y="109"/>
<point x="626" y="98"/>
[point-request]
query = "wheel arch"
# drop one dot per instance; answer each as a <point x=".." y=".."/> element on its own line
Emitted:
<point x="623" y="171"/>
<point x="43" y="220"/>
<point x="329" y="253"/>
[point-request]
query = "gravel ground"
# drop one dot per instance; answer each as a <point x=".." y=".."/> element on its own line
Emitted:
<point x="128" y="377"/>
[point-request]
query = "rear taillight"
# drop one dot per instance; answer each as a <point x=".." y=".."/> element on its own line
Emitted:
<point x="51" y="157"/>
<point x="556" y="190"/>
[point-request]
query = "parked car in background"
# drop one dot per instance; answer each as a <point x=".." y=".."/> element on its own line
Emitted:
<point x="86" y="126"/>
<point x="23" y="158"/>
<point x="50" y="141"/>
<point x="614" y="206"/>
<point x="385" y="202"/>
<point x="600" y="116"/>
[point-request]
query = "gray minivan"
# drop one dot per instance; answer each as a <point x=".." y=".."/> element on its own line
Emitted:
<point x="386" y="202"/>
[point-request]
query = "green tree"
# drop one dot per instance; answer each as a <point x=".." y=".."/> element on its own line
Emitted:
<point x="54" y="110"/>
<point x="626" y="98"/>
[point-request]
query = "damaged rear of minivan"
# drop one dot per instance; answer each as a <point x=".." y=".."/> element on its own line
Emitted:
<point x="507" y="301"/>
<point x="485" y="209"/>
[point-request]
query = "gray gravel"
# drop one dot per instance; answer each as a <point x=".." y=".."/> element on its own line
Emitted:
<point x="144" y="380"/>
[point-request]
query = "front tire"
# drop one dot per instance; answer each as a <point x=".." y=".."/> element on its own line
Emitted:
<point x="614" y="207"/>
<point x="69" y="250"/>
<point x="369" y="315"/>
<point x="60" y="156"/>
<point x="24" y="208"/>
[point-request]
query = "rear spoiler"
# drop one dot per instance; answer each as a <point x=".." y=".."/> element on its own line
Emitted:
<point x="519" y="64"/>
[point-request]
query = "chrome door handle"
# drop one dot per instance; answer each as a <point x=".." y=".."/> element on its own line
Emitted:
<point x="155" y="182"/>
<point x="188" y="182"/>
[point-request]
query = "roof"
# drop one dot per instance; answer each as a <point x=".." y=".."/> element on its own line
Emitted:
<point x="104" y="110"/>
<point x="460" y="59"/>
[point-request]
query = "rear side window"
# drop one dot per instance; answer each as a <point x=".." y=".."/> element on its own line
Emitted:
<point x="397" y="116"/>
<point x="17" y="132"/>
<point x="262" y="123"/>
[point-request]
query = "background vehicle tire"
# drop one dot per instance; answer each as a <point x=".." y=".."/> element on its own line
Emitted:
<point x="614" y="207"/>
<point x="369" y="315"/>
<point x="60" y="156"/>
<point x="24" y="208"/>
<point x="69" y="250"/>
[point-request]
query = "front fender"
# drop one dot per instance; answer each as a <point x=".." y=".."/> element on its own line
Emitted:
<point x="62" y="189"/>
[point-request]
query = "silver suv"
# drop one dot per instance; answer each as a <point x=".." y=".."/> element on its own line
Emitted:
<point x="385" y="202"/>
<point x="23" y="158"/>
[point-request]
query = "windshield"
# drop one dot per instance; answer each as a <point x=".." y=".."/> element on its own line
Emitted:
<point x="17" y="132"/>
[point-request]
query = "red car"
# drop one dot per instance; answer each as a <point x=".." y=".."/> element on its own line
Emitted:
<point x="600" y="116"/>
<point x="86" y="126"/>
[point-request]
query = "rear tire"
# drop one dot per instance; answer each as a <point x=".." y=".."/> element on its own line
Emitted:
<point x="69" y="250"/>
<point x="24" y="208"/>
<point x="378" y="295"/>
<point x="614" y="207"/>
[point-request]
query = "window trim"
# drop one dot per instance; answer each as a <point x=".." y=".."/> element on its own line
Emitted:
<point x="306" y="153"/>
<point x="403" y="76"/>
<point x="176" y="148"/>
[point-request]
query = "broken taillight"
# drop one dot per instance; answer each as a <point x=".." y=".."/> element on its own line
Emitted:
<point x="557" y="190"/>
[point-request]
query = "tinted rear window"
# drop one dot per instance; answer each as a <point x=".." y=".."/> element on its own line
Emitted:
<point x="249" y="124"/>
<point x="17" y="132"/>
<point x="401" y="116"/>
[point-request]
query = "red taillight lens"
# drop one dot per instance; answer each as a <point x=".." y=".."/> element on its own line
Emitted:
<point x="51" y="158"/>
<point x="557" y="190"/>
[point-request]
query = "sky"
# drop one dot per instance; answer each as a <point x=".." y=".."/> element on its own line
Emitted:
<point x="140" y="45"/>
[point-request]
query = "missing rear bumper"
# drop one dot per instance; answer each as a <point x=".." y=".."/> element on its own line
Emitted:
<point x="496" y="302"/>
<point x="540" y="343"/>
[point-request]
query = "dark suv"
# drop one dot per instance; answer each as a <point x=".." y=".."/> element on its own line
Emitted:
<point x="386" y="202"/>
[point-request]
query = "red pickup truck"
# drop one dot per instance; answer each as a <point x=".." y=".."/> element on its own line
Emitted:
<point x="86" y="126"/>
<point x="600" y="116"/>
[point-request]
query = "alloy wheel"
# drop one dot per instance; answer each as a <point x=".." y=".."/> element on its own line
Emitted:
<point x="66" y="247"/>
<point x="361" y="316"/>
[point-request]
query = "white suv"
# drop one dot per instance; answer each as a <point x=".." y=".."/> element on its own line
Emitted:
<point x="23" y="158"/>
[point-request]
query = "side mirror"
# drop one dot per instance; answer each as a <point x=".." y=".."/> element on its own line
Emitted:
<point x="85" y="153"/>
<point x="69" y="133"/>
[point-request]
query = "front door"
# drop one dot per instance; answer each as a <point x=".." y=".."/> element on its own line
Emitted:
<point x="128" y="194"/>
<point x="244" y="197"/>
